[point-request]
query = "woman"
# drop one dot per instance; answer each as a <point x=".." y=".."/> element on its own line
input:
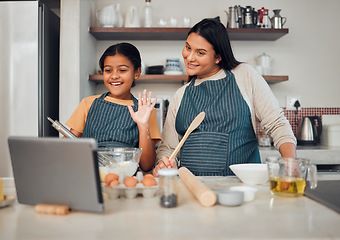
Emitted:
<point x="233" y="95"/>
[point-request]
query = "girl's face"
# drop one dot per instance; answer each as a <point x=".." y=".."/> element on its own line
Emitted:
<point x="199" y="57"/>
<point x="119" y="74"/>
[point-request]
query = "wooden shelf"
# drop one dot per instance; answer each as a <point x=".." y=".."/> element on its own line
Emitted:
<point x="180" y="79"/>
<point x="254" y="34"/>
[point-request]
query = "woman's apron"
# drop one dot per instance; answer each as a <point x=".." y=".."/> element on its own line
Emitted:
<point x="111" y="124"/>
<point x="226" y="135"/>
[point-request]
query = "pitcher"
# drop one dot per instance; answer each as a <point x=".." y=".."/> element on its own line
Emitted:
<point x="132" y="17"/>
<point x="287" y="176"/>
<point x="277" y="21"/>
<point x="232" y="17"/>
<point x="107" y="17"/>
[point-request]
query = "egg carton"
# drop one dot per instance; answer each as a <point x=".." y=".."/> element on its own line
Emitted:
<point x="130" y="192"/>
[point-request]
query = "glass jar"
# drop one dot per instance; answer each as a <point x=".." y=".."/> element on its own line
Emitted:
<point x="168" y="190"/>
<point x="263" y="139"/>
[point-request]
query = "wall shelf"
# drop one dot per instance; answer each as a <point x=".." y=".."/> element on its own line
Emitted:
<point x="254" y="34"/>
<point x="180" y="79"/>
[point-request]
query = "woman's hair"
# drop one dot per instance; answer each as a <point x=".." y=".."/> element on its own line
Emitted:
<point x="126" y="49"/>
<point x="216" y="34"/>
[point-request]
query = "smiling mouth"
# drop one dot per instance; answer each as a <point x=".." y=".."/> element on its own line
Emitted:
<point x="116" y="83"/>
<point x="189" y="65"/>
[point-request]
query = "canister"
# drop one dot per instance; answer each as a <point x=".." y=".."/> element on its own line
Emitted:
<point x="168" y="190"/>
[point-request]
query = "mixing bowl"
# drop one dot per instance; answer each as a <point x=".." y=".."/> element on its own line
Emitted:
<point x="122" y="161"/>
<point x="251" y="173"/>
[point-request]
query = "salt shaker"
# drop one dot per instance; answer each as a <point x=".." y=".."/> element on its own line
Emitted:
<point x="168" y="191"/>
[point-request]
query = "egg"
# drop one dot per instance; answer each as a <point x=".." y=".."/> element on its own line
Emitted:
<point x="130" y="182"/>
<point x="114" y="183"/>
<point x="149" y="181"/>
<point x="110" y="177"/>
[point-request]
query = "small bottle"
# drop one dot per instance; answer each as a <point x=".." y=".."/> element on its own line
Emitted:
<point x="148" y="14"/>
<point x="264" y="139"/>
<point x="168" y="191"/>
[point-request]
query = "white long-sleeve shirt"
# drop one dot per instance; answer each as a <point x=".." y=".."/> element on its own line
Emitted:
<point x="262" y="103"/>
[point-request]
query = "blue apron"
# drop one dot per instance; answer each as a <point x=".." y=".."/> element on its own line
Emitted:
<point x="111" y="124"/>
<point x="226" y="135"/>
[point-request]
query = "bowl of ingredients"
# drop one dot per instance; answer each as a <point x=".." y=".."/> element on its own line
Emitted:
<point x="121" y="161"/>
<point x="251" y="173"/>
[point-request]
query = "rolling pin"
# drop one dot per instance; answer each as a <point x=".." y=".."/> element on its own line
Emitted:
<point x="205" y="196"/>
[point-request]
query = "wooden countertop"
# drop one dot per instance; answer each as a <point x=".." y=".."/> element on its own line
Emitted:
<point x="267" y="217"/>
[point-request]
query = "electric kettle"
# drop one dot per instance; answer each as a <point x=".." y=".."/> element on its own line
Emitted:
<point x="308" y="133"/>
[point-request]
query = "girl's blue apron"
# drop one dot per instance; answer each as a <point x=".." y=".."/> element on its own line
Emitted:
<point x="111" y="124"/>
<point x="226" y="135"/>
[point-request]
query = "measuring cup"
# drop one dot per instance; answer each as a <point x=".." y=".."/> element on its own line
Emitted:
<point x="288" y="176"/>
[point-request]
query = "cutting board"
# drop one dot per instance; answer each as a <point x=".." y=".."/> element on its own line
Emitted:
<point x="326" y="193"/>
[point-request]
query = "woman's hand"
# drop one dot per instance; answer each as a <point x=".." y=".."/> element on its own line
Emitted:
<point x="164" y="163"/>
<point x="141" y="117"/>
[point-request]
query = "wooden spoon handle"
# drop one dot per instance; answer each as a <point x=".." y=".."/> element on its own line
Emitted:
<point x="174" y="153"/>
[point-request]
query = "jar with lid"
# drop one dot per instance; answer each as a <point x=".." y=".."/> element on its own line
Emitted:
<point x="168" y="190"/>
<point x="263" y="139"/>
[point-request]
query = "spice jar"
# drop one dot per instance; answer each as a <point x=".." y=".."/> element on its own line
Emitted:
<point x="168" y="191"/>
<point x="264" y="139"/>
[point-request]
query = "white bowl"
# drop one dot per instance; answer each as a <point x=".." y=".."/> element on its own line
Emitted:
<point x="249" y="192"/>
<point x="251" y="173"/>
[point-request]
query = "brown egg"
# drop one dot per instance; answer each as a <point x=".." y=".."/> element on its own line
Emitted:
<point x="148" y="175"/>
<point x="130" y="182"/>
<point x="149" y="181"/>
<point x="110" y="177"/>
<point x="114" y="183"/>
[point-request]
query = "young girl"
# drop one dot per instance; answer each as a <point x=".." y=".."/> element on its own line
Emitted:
<point x="116" y="118"/>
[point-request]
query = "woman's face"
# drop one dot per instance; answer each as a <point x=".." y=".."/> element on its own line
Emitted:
<point x="199" y="57"/>
<point x="118" y="75"/>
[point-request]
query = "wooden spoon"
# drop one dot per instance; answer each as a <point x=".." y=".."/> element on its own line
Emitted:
<point x="193" y="125"/>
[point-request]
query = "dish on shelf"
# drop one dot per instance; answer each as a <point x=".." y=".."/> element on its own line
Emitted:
<point x="173" y="73"/>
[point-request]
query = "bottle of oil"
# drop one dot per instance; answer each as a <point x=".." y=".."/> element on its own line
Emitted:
<point x="147" y="14"/>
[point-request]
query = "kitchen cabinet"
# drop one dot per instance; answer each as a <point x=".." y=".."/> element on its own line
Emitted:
<point x="157" y="34"/>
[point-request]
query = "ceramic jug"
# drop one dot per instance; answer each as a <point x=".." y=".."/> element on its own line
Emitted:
<point x="119" y="15"/>
<point x="277" y="21"/>
<point x="107" y="17"/>
<point x="132" y="17"/>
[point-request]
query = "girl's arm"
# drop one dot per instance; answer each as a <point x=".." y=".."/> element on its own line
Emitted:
<point x="75" y="133"/>
<point x="141" y="117"/>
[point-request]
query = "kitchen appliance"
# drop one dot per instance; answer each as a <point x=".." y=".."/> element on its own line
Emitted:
<point x="265" y="62"/>
<point x="309" y="130"/>
<point x="277" y="21"/>
<point x="330" y="130"/>
<point x="161" y="110"/>
<point x="29" y="66"/>
<point x="132" y="17"/>
<point x="263" y="18"/>
<point x="250" y="17"/>
<point x="232" y="17"/>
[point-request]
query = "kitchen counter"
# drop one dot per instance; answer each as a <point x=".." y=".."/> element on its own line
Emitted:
<point x="317" y="154"/>
<point x="142" y="218"/>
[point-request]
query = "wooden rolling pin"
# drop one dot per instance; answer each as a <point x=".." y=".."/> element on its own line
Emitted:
<point x="52" y="209"/>
<point x="205" y="196"/>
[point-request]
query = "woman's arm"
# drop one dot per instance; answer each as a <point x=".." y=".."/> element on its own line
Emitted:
<point x="141" y="118"/>
<point x="288" y="150"/>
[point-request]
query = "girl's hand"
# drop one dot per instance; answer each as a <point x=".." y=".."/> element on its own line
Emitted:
<point x="141" y="117"/>
<point x="164" y="163"/>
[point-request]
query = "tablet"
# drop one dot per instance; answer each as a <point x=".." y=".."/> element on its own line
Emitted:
<point x="58" y="171"/>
